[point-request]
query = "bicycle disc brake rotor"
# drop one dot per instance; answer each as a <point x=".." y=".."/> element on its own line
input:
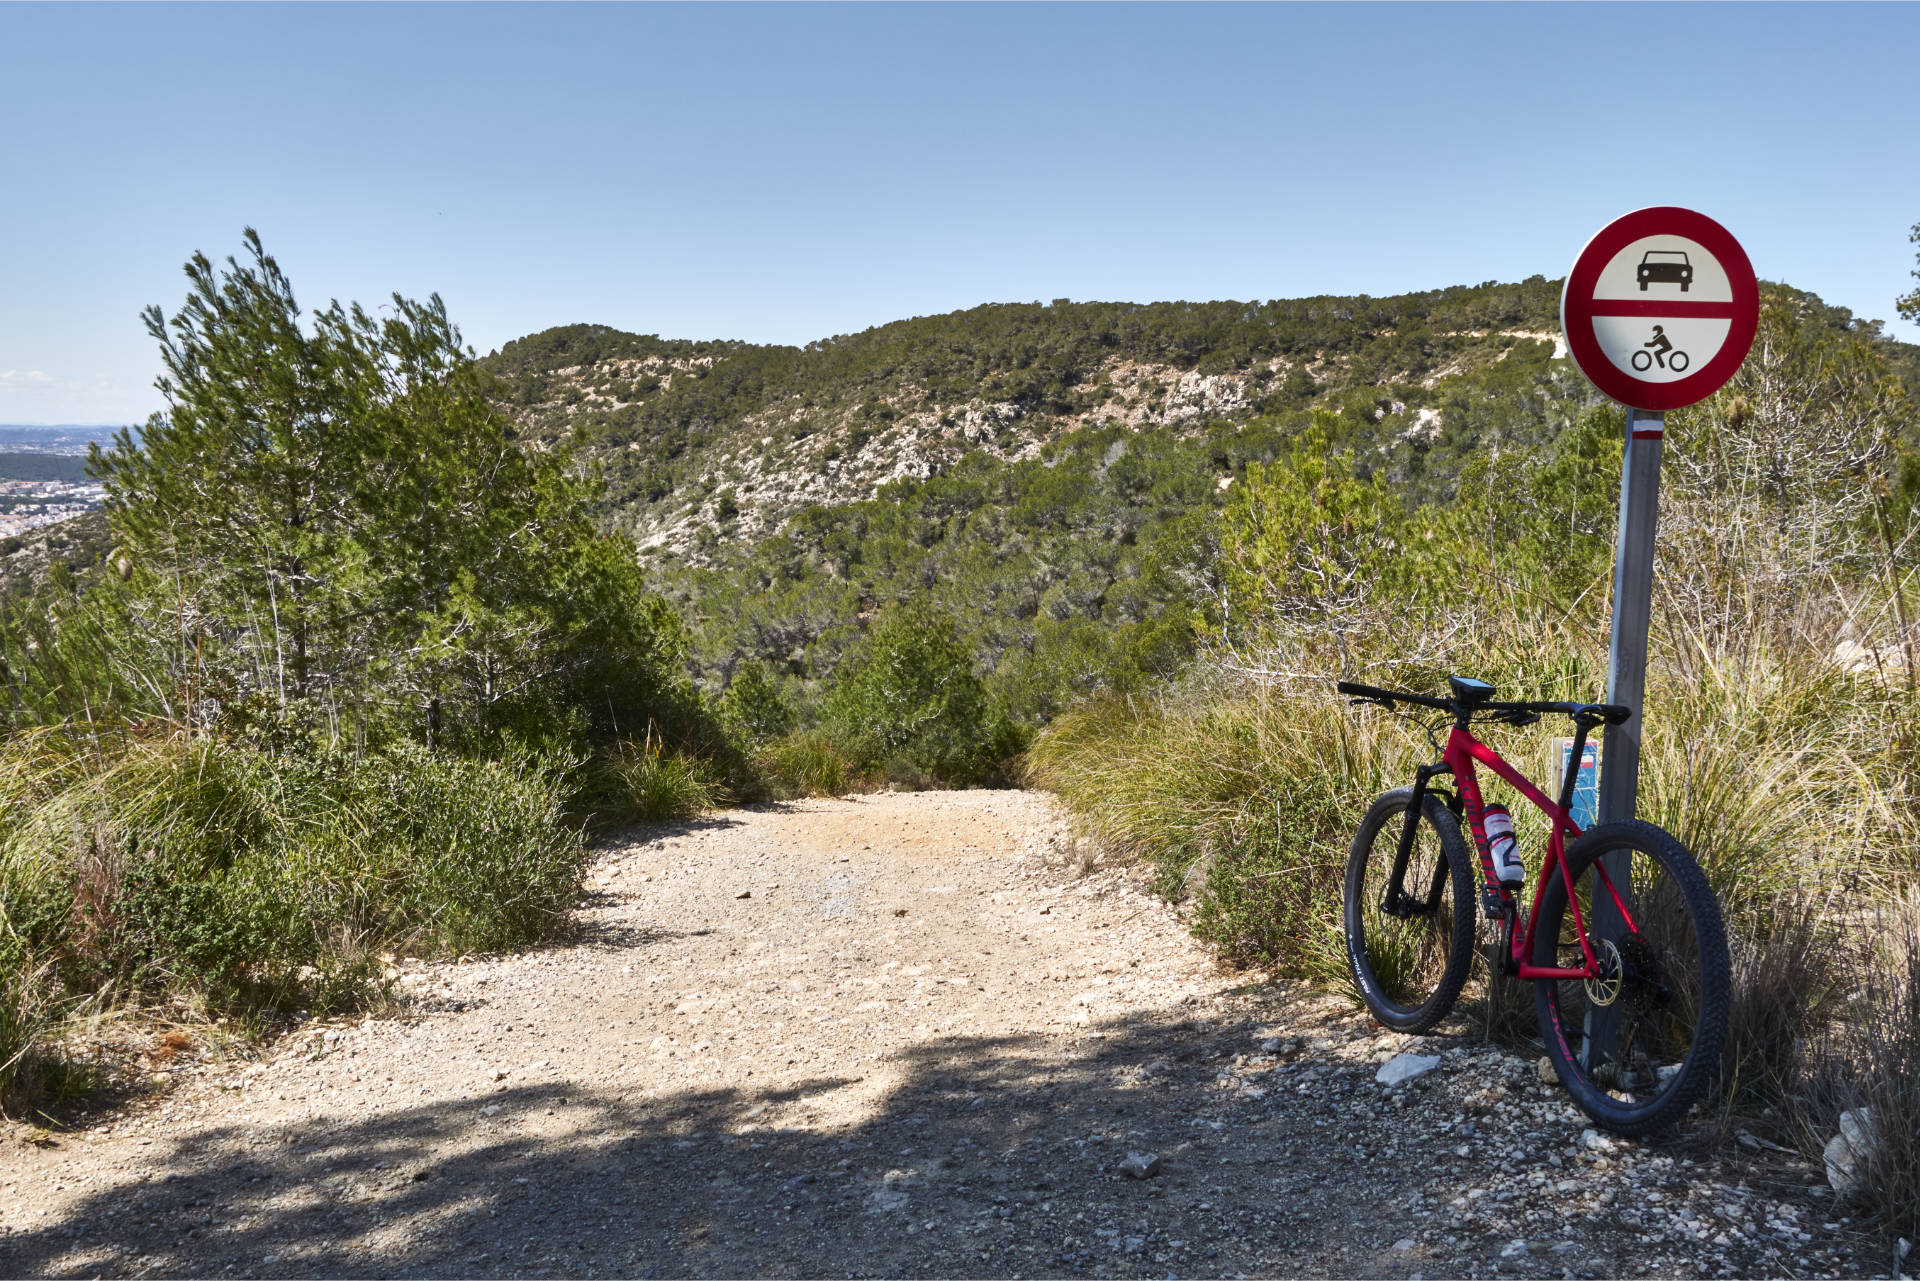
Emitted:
<point x="1604" y="987"/>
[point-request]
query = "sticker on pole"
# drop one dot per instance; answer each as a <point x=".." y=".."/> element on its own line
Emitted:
<point x="1660" y="308"/>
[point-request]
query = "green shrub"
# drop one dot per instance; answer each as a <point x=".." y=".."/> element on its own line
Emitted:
<point x="644" y="783"/>
<point x="454" y="590"/>
<point x="908" y="697"/>
<point x="1259" y="790"/>
<point x="473" y="855"/>
<point x="754" y="706"/>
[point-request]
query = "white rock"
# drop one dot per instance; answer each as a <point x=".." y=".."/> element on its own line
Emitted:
<point x="1513" y="1249"/>
<point x="1846" y="1151"/>
<point x="1141" y="1165"/>
<point x="1402" y="1068"/>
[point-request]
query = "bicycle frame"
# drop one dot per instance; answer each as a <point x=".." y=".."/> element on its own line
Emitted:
<point x="1463" y="752"/>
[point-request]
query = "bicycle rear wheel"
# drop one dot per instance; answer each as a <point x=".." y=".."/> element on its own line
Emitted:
<point x="1410" y="967"/>
<point x="1639" y="1045"/>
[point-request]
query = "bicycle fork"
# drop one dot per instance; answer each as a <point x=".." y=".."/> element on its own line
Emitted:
<point x="1394" y="900"/>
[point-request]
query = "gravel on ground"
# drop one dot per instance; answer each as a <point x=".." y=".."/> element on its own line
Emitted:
<point x="892" y="1035"/>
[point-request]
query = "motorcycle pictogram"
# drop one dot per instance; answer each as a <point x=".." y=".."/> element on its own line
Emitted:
<point x="1660" y="350"/>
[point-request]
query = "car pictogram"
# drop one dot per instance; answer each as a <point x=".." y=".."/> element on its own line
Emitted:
<point x="1668" y="266"/>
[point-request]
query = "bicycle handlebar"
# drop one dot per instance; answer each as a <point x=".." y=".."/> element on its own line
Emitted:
<point x="1371" y="694"/>
<point x="1608" y="713"/>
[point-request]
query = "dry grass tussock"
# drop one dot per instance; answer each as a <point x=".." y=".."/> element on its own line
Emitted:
<point x="162" y="866"/>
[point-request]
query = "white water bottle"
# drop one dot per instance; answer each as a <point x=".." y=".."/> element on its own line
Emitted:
<point x="1506" y="851"/>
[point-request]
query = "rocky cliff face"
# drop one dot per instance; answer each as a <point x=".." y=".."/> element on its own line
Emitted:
<point x="750" y="474"/>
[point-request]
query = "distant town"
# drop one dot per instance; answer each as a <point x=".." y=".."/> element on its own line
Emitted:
<point x="32" y="504"/>
<point x="43" y="480"/>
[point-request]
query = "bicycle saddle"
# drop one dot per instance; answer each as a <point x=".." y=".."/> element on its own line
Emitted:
<point x="1470" y="692"/>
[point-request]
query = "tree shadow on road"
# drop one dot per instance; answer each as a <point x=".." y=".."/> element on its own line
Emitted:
<point x="958" y="1156"/>
<point x="625" y="838"/>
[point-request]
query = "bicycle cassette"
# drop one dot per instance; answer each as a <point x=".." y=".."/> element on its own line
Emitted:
<point x="1642" y="985"/>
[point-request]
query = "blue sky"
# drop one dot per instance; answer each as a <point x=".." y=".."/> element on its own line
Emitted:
<point x="787" y="173"/>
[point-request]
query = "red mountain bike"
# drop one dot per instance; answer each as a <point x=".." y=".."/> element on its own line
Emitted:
<point x="1624" y="943"/>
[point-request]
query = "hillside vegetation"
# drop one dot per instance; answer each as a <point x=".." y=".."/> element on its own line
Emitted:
<point x="1070" y="543"/>
<point x="731" y="438"/>
<point x="58" y="552"/>
<point x="30" y="465"/>
<point x="352" y="678"/>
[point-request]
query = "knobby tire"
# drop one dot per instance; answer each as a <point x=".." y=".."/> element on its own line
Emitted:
<point x="1418" y="1001"/>
<point x="1665" y="989"/>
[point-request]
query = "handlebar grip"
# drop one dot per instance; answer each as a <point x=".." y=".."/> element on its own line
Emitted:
<point x="1353" y="689"/>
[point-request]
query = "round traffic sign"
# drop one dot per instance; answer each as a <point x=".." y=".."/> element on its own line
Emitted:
<point x="1660" y="308"/>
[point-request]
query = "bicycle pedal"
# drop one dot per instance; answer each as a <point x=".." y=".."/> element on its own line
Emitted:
<point x="1493" y="903"/>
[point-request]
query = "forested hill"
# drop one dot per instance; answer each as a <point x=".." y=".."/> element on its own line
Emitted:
<point x="1043" y="475"/>
<point x="734" y="437"/>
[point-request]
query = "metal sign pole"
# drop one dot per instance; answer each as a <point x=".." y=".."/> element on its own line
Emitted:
<point x="1626" y="676"/>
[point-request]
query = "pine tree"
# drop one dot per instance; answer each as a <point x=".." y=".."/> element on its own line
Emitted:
<point x="332" y="527"/>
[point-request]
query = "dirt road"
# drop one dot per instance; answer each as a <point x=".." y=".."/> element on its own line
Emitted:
<point x="885" y="1036"/>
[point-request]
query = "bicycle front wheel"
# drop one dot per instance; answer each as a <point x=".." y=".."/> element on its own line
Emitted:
<point x="1409" y="960"/>
<point x="1638" y="1045"/>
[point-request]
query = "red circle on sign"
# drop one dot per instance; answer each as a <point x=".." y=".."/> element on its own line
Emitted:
<point x="1578" y="307"/>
